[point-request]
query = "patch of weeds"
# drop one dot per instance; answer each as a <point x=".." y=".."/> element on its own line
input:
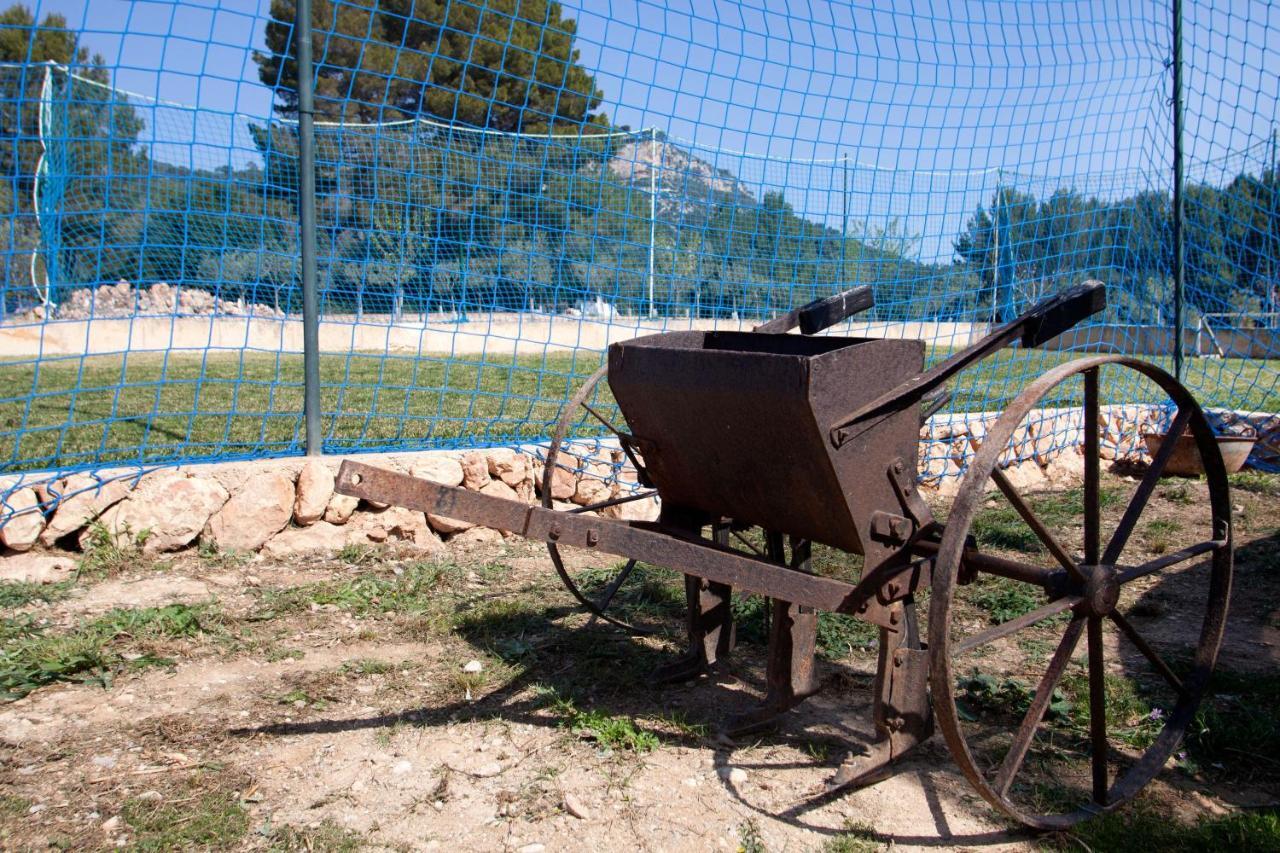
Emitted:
<point x="328" y="837"/>
<point x="986" y="694"/>
<point x="278" y="654"/>
<point x="469" y="683"/>
<point x="368" y="666"/>
<point x="679" y="722"/>
<point x="95" y="650"/>
<point x="211" y="820"/>
<point x="1142" y="825"/>
<point x="1158" y="534"/>
<point x="14" y="594"/>
<point x="618" y="734"/>
<point x="107" y="554"/>
<point x="1258" y="482"/>
<point x="302" y="699"/>
<point x="411" y="590"/>
<point x="1000" y="526"/>
<point x="859" y="837"/>
<point x="356" y="555"/>
<point x="649" y="593"/>
<point x="1003" y="599"/>
<point x="1130" y="718"/>
<point x="501" y="622"/>
<point x="210" y="553"/>
<point x="749" y="839"/>
<point x="1180" y="493"/>
<point x="11" y="805"/>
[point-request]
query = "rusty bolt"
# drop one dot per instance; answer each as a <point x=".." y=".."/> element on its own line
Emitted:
<point x="554" y="532"/>
<point x="592" y="537"/>
<point x="893" y="590"/>
<point x="897" y="658"/>
<point x="893" y="618"/>
<point x="897" y="467"/>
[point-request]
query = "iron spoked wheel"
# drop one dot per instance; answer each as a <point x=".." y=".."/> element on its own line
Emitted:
<point x="598" y="606"/>
<point x="1102" y="689"/>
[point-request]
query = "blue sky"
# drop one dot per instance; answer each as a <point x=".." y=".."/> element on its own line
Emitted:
<point x="933" y="103"/>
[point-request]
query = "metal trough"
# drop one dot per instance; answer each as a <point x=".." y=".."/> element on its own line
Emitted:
<point x="735" y="424"/>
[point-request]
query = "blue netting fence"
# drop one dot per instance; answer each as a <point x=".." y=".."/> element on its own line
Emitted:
<point x="506" y="186"/>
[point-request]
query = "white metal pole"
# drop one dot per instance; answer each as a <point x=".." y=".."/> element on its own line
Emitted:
<point x="653" y="209"/>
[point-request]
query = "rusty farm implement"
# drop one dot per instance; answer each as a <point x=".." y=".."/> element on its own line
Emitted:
<point x="813" y="439"/>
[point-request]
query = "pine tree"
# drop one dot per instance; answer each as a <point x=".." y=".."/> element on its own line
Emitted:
<point x="505" y="65"/>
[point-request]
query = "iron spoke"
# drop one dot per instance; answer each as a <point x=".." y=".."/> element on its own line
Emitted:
<point x="607" y="424"/>
<point x="1097" y="711"/>
<point x="1014" y="625"/>
<point x="1148" y="652"/>
<point x="1037" y="526"/>
<point x="1139" y="500"/>
<point x="1092" y="510"/>
<point x="638" y="496"/>
<point x="616" y="585"/>
<point x="1161" y="563"/>
<point x="1044" y="694"/>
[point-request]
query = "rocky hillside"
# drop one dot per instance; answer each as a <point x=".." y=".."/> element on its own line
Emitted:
<point x="687" y="185"/>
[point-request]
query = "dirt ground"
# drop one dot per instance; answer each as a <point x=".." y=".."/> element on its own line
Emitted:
<point x="380" y="700"/>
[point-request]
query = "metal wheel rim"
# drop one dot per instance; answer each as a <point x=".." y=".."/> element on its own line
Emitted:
<point x="1130" y="782"/>
<point x="557" y="560"/>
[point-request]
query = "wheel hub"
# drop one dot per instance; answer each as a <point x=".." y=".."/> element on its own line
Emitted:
<point x="1101" y="590"/>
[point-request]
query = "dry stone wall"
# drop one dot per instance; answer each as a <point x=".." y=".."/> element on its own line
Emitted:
<point x="282" y="507"/>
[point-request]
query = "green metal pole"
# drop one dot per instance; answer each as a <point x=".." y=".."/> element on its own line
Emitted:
<point x="307" y="226"/>
<point x="1179" y="203"/>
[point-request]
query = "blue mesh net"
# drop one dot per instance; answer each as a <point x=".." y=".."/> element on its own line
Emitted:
<point x="506" y="186"/>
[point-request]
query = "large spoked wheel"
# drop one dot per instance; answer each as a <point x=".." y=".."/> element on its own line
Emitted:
<point x="597" y="603"/>
<point x="1069" y="705"/>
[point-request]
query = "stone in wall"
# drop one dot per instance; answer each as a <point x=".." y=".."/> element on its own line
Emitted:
<point x="88" y="499"/>
<point x="319" y="537"/>
<point x="315" y="488"/>
<point x="475" y="470"/>
<point x="166" y="511"/>
<point x="340" y="508"/>
<point x="23" y="520"/>
<point x="393" y="525"/>
<point x="510" y="467"/>
<point x="438" y="469"/>
<point x="254" y="514"/>
<point x="446" y="526"/>
<point x="476" y="536"/>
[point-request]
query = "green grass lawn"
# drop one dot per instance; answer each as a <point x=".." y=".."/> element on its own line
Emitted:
<point x="153" y="407"/>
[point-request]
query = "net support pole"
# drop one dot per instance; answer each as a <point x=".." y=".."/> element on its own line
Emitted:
<point x="1179" y="203"/>
<point x="307" y="227"/>
<point x="653" y="209"/>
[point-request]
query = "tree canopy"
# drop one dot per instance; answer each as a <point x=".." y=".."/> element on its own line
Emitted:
<point x="510" y="65"/>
